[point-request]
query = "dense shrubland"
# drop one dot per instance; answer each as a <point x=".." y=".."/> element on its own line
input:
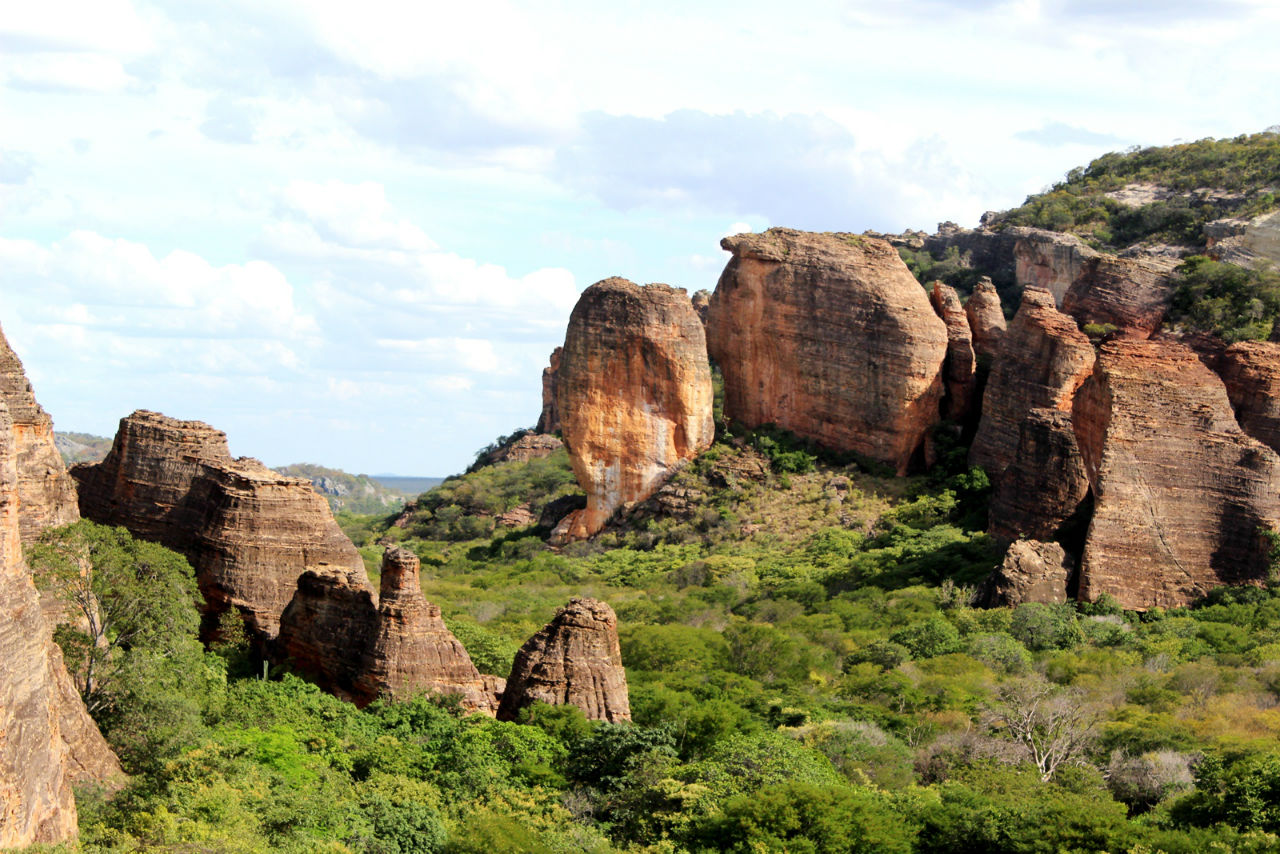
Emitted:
<point x="807" y="674"/>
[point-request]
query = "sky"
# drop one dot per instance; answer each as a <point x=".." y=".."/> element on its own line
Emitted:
<point x="351" y="233"/>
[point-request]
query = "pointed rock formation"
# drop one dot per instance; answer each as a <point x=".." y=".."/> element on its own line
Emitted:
<point x="1042" y="362"/>
<point x="986" y="319"/>
<point x="1251" y="372"/>
<point x="326" y="627"/>
<point x="1032" y="572"/>
<point x="549" y="420"/>
<point x="411" y="650"/>
<point x="830" y="337"/>
<point x="46" y="491"/>
<point x="1131" y="295"/>
<point x="960" y="364"/>
<point x="574" y="660"/>
<point x="1044" y="484"/>
<point x="1181" y="493"/>
<point x="248" y="531"/>
<point x="701" y="304"/>
<point x="635" y="395"/>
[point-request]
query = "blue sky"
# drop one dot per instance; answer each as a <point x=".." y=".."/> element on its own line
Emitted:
<point x="351" y="233"/>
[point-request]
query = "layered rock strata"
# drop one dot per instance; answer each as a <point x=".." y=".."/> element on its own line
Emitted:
<point x="1181" y="494"/>
<point x="411" y="650"/>
<point x="1042" y="362"/>
<point x="1032" y="572"/>
<point x="634" y="395"/>
<point x="1044" y="484"/>
<point x="830" y="337"/>
<point x="248" y="531"/>
<point x="986" y="319"/>
<point x="1133" y="296"/>
<point x="549" y="419"/>
<point x="326" y="628"/>
<point x="1251" y="372"/>
<point x="575" y="659"/>
<point x="46" y="491"/>
<point x="1050" y="260"/>
<point x="520" y="449"/>
<point x="960" y="364"/>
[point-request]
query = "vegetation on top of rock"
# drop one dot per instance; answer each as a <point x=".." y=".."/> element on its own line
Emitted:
<point x="1234" y="303"/>
<point x="1172" y="192"/>
<point x="353" y="493"/>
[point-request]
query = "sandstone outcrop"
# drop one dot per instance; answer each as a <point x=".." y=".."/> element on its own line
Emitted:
<point x="960" y="363"/>
<point x="46" y="491"/>
<point x="1044" y="484"/>
<point x="248" y="531"/>
<point x="575" y="659"/>
<point x="1050" y="260"/>
<point x="326" y="627"/>
<point x="1181" y="493"/>
<point x="1131" y="295"/>
<point x="1251" y="372"/>
<point x="830" y="337"/>
<point x="1032" y="572"/>
<point x="549" y="420"/>
<point x="1245" y="242"/>
<point x="521" y="448"/>
<point x="701" y="304"/>
<point x="986" y="319"/>
<point x="634" y="394"/>
<point x="411" y="650"/>
<point x="1042" y="362"/>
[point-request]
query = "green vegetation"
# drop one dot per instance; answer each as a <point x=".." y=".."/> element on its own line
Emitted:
<point x="806" y="670"/>
<point x="1234" y="303"/>
<point x="349" y="493"/>
<point x="81" y="447"/>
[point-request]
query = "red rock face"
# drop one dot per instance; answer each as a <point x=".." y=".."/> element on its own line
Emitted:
<point x="1042" y="362"/>
<point x="960" y="365"/>
<point x="574" y="660"/>
<point x="1044" y="484"/>
<point x="549" y="420"/>
<point x="1131" y="295"/>
<point x="1180" y="492"/>
<point x="1050" y="260"/>
<point x="47" y="492"/>
<point x="634" y="395"/>
<point x="248" y="532"/>
<point x="326" y="628"/>
<point x="1251" y="372"/>
<point x="830" y="337"/>
<point x="411" y="650"/>
<point x="986" y="319"/>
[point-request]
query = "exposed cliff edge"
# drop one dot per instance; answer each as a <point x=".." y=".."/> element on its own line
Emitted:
<point x="634" y="395"/>
<point x="830" y="337"/>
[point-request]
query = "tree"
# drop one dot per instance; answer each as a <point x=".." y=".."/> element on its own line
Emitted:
<point x="1054" y="725"/>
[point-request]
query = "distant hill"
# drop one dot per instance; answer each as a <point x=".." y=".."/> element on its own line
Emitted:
<point x="359" y="493"/>
<point x="81" y="447"/>
<point x="408" y="485"/>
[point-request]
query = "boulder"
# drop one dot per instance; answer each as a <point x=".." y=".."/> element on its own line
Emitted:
<point x="634" y="395"/>
<point x="248" y="531"/>
<point x="326" y="628"/>
<point x="411" y="649"/>
<point x="831" y="337"/>
<point x="1032" y="572"/>
<point x="575" y="659"/>
<point x="1251" y="372"/>
<point x="47" y="493"/>
<point x="1182" y="495"/>
<point x="1044" y="359"/>
<point x="959" y="367"/>
<point x="549" y="420"/>
<point x="1044" y="484"/>
<point x="986" y="319"/>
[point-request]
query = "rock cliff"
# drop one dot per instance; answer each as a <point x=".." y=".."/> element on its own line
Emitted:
<point x="634" y="394"/>
<point x="986" y="319"/>
<point x="549" y="420"/>
<point x="1181" y="493"/>
<point x="326" y="628"/>
<point x="575" y="659"/>
<point x="248" y="531"/>
<point x="1042" y="362"/>
<point x="46" y="491"/>
<point x="1251" y="372"/>
<point x="1131" y="295"/>
<point x="959" y="367"/>
<point x="411" y="650"/>
<point x="1050" y="260"/>
<point x="1044" y="484"/>
<point x="830" y="337"/>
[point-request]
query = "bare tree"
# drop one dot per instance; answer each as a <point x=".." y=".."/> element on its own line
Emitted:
<point x="1054" y="725"/>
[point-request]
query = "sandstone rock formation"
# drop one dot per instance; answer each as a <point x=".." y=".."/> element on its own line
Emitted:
<point x="830" y="337"/>
<point x="634" y="395"/>
<point x="1045" y="482"/>
<point x="1131" y="295"/>
<point x="1032" y="572"/>
<point x="1181" y="493"/>
<point x="1245" y="242"/>
<point x="1050" y="260"/>
<point x="248" y="531"/>
<point x="986" y="319"/>
<point x="961" y="363"/>
<point x="1042" y="362"/>
<point x="521" y="448"/>
<point x="46" y="491"/>
<point x="701" y="304"/>
<point x="549" y="420"/>
<point x="575" y="659"/>
<point x="326" y="628"/>
<point x="1251" y="372"/>
<point x="411" y="650"/>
